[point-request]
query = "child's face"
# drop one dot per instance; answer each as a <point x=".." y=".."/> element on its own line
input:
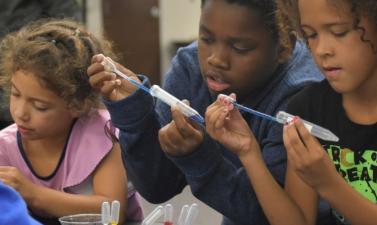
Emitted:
<point x="237" y="52"/>
<point x="348" y="63"/>
<point x="38" y="112"/>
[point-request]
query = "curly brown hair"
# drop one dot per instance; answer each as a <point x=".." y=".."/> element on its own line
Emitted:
<point x="288" y="15"/>
<point x="267" y="10"/>
<point x="57" y="53"/>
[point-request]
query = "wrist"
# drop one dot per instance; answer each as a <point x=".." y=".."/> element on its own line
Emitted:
<point x="250" y="153"/>
<point x="32" y="196"/>
<point x="331" y="187"/>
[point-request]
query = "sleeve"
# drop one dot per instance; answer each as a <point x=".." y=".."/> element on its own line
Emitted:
<point x="4" y="160"/>
<point x="155" y="177"/>
<point x="222" y="184"/>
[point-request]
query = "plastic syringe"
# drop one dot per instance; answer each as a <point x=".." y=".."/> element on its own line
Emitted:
<point x="283" y="118"/>
<point x="156" y="91"/>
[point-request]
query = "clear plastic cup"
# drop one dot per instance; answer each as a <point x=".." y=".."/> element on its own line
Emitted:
<point x="81" y="219"/>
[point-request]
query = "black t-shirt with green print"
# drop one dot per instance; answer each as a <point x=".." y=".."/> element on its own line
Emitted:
<point x="355" y="155"/>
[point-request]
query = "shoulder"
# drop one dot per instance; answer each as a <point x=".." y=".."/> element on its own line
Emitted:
<point x="185" y="61"/>
<point x="184" y="75"/>
<point x="8" y="135"/>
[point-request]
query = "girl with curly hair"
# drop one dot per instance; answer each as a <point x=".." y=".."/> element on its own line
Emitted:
<point x="342" y="37"/>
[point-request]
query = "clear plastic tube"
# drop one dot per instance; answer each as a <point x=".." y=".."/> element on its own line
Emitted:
<point x="315" y="130"/>
<point x="168" y="215"/>
<point x="105" y="213"/>
<point x="192" y="214"/>
<point x="182" y="215"/>
<point x="115" y="207"/>
<point x="169" y="99"/>
<point x="153" y="216"/>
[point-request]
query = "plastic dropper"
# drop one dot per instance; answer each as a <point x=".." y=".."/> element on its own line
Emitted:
<point x="283" y="118"/>
<point x="156" y="91"/>
<point x="115" y="207"/>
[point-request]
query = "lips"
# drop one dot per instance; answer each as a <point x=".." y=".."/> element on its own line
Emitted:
<point x="216" y="82"/>
<point x="331" y="72"/>
<point x="23" y="129"/>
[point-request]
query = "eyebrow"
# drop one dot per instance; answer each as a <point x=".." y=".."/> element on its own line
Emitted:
<point x="33" y="99"/>
<point x="205" y="29"/>
<point x="328" y="25"/>
<point x="233" y="39"/>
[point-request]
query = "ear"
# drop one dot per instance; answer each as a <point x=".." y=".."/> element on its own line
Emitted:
<point x="79" y="110"/>
<point x="75" y="112"/>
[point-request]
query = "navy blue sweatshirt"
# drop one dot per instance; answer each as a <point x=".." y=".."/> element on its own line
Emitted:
<point x="215" y="175"/>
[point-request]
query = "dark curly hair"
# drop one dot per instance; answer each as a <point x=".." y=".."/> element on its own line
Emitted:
<point x="288" y="15"/>
<point x="57" y="53"/>
<point x="267" y="10"/>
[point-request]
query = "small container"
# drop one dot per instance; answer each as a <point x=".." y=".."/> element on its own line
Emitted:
<point x="81" y="219"/>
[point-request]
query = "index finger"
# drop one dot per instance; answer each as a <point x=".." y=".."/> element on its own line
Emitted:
<point x="97" y="58"/>
<point x="182" y="123"/>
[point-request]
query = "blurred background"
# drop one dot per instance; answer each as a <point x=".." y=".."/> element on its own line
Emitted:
<point x="146" y="32"/>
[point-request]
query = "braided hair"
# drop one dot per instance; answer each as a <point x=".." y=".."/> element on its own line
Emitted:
<point x="57" y="53"/>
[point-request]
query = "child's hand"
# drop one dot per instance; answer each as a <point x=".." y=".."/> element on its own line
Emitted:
<point x="14" y="178"/>
<point x="111" y="86"/>
<point x="181" y="136"/>
<point x="226" y="125"/>
<point x="307" y="156"/>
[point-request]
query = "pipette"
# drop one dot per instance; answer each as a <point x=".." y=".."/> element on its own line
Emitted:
<point x="156" y="91"/>
<point x="283" y="118"/>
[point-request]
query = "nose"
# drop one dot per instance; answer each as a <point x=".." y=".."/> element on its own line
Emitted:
<point x="21" y="112"/>
<point x="219" y="57"/>
<point x="323" y="47"/>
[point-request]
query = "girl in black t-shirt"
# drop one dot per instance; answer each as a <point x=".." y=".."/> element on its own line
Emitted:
<point x="342" y="36"/>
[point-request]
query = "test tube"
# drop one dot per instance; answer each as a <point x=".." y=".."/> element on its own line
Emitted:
<point x="168" y="215"/>
<point x="153" y="216"/>
<point x="182" y="215"/>
<point x="115" y="207"/>
<point x="314" y="129"/>
<point x="105" y="213"/>
<point x="192" y="214"/>
<point x="169" y="99"/>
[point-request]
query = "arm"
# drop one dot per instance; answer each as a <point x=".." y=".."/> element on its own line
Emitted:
<point x="109" y="183"/>
<point x="133" y="112"/>
<point x="315" y="168"/>
<point x="229" y="128"/>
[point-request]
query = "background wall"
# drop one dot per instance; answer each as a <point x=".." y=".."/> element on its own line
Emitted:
<point x="179" y="20"/>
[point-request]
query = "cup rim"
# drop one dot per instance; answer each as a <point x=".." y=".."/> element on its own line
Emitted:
<point x="63" y="218"/>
